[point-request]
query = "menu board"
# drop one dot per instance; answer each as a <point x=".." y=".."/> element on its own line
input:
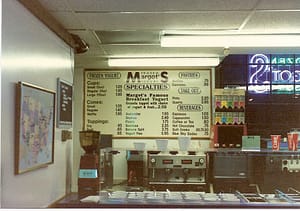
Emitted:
<point x="148" y="103"/>
<point x="64" y="102"/>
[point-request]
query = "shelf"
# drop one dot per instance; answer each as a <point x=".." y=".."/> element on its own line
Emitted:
<point x="229" y="109"/>
<point x="229" y="106"/>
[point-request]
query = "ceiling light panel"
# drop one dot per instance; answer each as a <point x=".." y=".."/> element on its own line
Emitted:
<point x="231" y="41"/>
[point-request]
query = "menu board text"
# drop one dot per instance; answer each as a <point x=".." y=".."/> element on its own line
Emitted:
<point x="141" y="103"/>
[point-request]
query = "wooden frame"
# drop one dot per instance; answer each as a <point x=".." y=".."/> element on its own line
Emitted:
<point x="64" y="104"/>
<point x="35" y="125"/>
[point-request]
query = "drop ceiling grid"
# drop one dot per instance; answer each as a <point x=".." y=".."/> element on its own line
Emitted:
<point x="143" y="21"/>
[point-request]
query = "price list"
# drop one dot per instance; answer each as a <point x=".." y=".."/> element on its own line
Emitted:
<point x="148" y="103"/>
<point x="65" y="92"/>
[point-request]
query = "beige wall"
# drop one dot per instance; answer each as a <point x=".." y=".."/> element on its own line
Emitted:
<point x="33" y="54"/>
<point x="27" y="44"/>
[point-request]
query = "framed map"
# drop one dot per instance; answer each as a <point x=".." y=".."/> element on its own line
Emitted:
<point x="35" y="114"/>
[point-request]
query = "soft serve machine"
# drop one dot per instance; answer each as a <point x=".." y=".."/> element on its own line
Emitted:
<point x="176" y="170"/>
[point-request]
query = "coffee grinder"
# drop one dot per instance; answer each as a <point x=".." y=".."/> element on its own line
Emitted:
<point x="88" y="178"/>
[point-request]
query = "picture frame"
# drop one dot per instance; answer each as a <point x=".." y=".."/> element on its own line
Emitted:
<point x="35" y="126"/>
<point x="64" y="104"/>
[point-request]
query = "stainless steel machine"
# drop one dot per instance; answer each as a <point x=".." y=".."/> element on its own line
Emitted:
<point x="177" y="171"/>
<point x="106" y="160"/>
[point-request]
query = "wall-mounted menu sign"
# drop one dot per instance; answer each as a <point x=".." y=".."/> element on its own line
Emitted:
<point x="152" y="103"/>
<point x="64" y="102"/>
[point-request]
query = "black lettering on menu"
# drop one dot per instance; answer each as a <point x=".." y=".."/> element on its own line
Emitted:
<point x="122" y="103"/>
<point x="133" y="77"/>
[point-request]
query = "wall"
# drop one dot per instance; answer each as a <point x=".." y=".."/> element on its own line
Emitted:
<point x="0" y="92"/>
<point x="33" y="54"/>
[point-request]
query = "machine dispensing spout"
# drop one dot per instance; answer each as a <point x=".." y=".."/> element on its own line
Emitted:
<point x="186" y="171"/>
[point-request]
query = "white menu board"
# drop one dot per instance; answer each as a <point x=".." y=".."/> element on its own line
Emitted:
<point x="148" y="103"/>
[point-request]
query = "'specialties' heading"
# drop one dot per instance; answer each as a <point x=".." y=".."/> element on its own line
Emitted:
<point x="152" y="87"/>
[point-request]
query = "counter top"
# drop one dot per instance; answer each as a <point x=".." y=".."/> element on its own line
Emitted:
<point x="179" y="200"/>
<point x="261" y="151"/>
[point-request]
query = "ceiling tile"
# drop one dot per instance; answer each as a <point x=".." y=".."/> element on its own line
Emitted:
<point x="274" y="21"/>
<point x="68" y="20"/>
<point x="279" y="4"/>
<point x="159" y="5"/>
<point x="157" y="51"/>
<point x="55" y="5"/>
<point x="201" y="20"/>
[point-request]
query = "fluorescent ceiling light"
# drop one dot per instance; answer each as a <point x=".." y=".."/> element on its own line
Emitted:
<point x="199" y="32"/>
<point x="231" y="40"/>
<point x="160" y="62"/>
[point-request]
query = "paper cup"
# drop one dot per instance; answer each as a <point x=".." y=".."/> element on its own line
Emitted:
<point x="184" y="143"/>
<point x="275" y="142"/>
<point x="162" y="144"/>
<point x="295" y="141"/>
<point x="290" y="141"/>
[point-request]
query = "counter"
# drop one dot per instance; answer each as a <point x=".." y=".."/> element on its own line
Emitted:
<point x="275" y="176"/>
<point x="179" y="200"/>
<point x="266" y="169"/>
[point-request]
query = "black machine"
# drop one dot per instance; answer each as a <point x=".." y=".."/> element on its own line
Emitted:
<point x="229" y="136"/>
<point x="253" y="171"/>
<point x="135" y="167"/>
<point x="229" y="170"/>
<point x="281" y="171"/>
<point x="88" y="178"/>
<point x="95" y="170"/>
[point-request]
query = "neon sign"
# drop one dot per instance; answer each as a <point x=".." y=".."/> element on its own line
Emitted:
<point x="266" y="70"/>
<point x="259" y="69"/>
<point x="285" y="60"/>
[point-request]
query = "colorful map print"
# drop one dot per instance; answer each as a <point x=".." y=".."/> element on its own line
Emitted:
<point x="36" y="128"/>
